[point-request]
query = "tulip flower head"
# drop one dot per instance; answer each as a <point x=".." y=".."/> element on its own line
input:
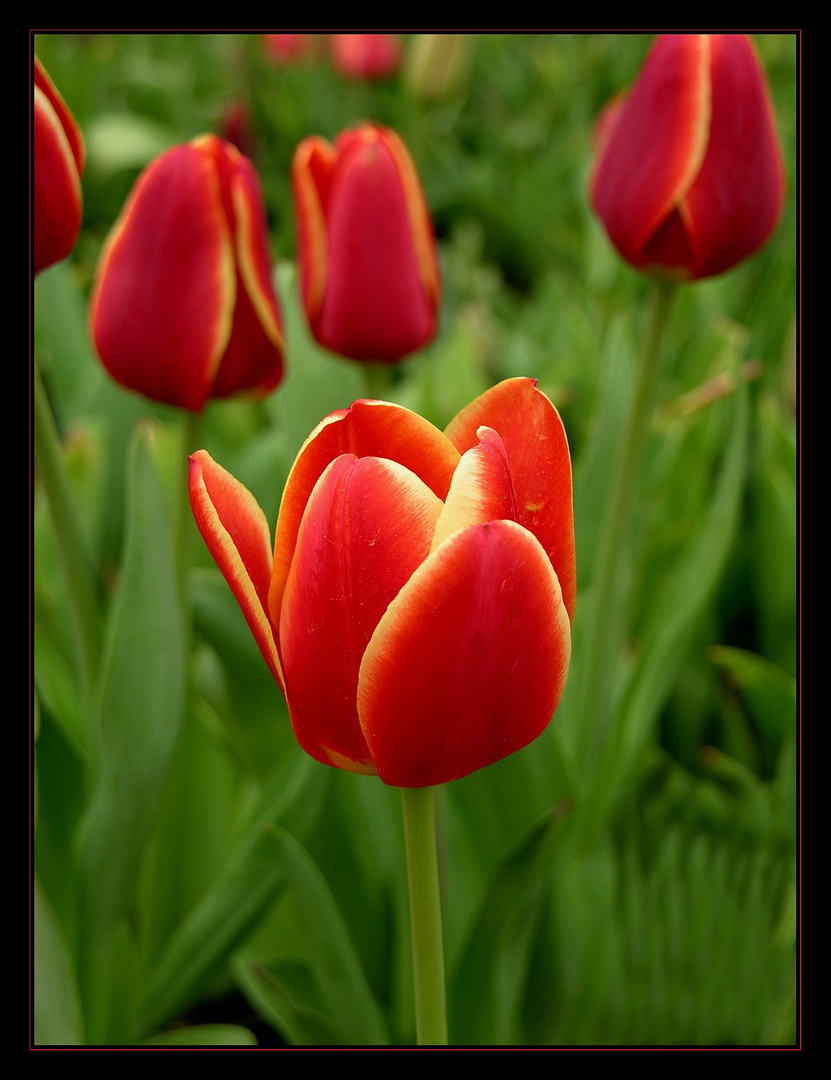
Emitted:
<point x="689" y="177"/>
<point x="366" y="56"/>
<point x="369" y="273"/>
<point x="416" y="607"/>
<point x="58" y="156"/>
<point x="183" y="308"/>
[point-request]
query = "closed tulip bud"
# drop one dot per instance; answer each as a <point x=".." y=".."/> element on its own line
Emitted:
<point x="416" y="606"/>
<point x="183" y="307"/>
<point x="689" y="177"/>
<point x="369" y="272"/>
<point x="58" y="157"/>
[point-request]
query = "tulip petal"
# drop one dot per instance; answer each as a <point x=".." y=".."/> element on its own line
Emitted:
<point x="367" y="527"/>
<point x="469" y="661"/>
<point x="58" y="158"/>
<point x="736" y="198"/>
<point x="253" y="359"/>
<point x="481" y="489"/>
<point x="540" y="465"/>
<point x="236" y="533"/>
<point x="366" y="429"/>
<point x="375" y="306"/>
<point x="311" y="176"/>
<point x="656" y="144"/>
<point x="162" y="310"/>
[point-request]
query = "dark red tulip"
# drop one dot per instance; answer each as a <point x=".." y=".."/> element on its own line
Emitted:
<point x="183" y="308"/>
<point x="689" y="177"/>
<point x="58" y="152"/>
<point x="416" y="606"/>
<point x="369" y="273"/>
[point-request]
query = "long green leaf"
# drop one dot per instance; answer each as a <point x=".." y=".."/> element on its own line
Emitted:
<point x="316" y="990"/>
<point x="140" y="706"/>
<point x="670" y="625"/>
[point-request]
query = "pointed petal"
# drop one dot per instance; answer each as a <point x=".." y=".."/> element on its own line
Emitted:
<point x="656" y="145"/>
<point x="481" y="489"/>
<point x="253" y="360"/>
<point x="469" y="661"/>
<point x="236" y="533"/>
<point x="58" y="160"/>
<point x="162" y="309"/>
<point x="366" y="429"/>
<point x="540" y="464"/>
<point x="367" y="526"/>
<point x="737" y="196"/>
<point x="311" y="173"/>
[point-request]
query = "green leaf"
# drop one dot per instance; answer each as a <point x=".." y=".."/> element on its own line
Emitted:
<point x="251" y="879"/>
<point x="485" y="990"/>
<point x="670" y="624"/>
<point x="204" y="1035"/>
<point x="140" y="707"/>
<point x="315" y="991"/>
<point x="58" y="1020"/>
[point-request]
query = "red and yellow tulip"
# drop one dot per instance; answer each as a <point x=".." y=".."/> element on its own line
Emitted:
<point x="58" y="159"/>
<point x="369" y="273"/>
<point x="416" y="607"/>
<point x="689" y="177"/>
<point x="183" y="307"/>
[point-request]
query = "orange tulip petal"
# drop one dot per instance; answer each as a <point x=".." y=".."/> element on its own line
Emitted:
<point x="540" y="465"/>
<point x="162" y="311"/>
<point x="236" y="533"/>
<point x="481" y="489"/>
<point x="367" y="526"/>
<point x="469" y="661"/>
<point x="366" y="429"/>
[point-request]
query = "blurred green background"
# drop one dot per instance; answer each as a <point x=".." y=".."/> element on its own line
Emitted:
<point x="634" y="884"/>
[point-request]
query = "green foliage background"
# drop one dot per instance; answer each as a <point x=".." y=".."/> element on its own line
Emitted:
<point x="629" y="884"/>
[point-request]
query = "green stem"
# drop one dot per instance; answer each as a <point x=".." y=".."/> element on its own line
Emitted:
<point x="425" y="914"/>
<point x="82" y="583"/>
<point x="376" y="381"/>
<point x="601" y="654"/>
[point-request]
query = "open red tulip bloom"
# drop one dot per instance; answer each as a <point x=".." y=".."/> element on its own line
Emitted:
<point x="369" y="272"/>
<point x="417" y="604"/>
<point x="689" y="179"/>
<point x="183" y="308"/>
<point x="58" y="159"/>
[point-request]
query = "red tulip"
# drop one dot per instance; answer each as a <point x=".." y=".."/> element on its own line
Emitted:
<point x="689" y="179"/>
<point x="416" y="607"/>
<point x="59" y="153"/>
<point x="366" y="56"/>
<point x="183" y="307"/>
<point x="370" y="277"/>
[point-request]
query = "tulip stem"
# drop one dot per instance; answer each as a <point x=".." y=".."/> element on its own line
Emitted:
<point x="81" y="579"/>
<point x="425" y="915"/>
<point x="600" y="658"/>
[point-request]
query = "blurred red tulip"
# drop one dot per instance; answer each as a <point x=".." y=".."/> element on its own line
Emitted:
<point x="366" y="56"/>
<point x="689" y="178"/>
<point x="370" y="276"/>
<point x="416" y="606"/>
<point x="183" y="308"/>
<point x="289" y="48"/>
<point x="58" y="156"/>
